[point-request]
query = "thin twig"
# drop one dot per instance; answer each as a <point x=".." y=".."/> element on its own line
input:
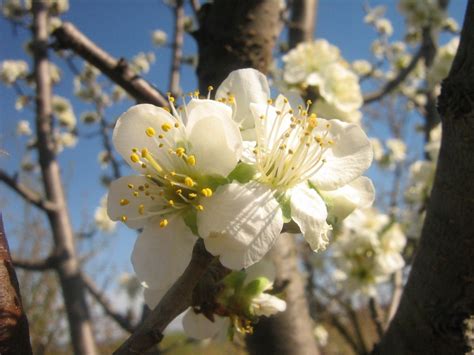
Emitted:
<point x="376" y="317"/>
<point x="36" y="265"/>
<point x="175" y="301"/>
<point x="28" y="194"/>
<point x="69" y="37"/>
<point x="100" y="297"/>
<point x="104" y="132"/>
<point x="392" y="84"/>
<point x="178" y="41"/>
<point x="396" y="295"/>
<point x="196" y="6"/>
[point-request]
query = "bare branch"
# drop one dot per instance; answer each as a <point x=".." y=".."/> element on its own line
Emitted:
<point x="303" y="21"/>
<point x="376" y="317"/>
<point x="99" y="296"/>
<point x="196" y="5"/>
<point x="36" y="265"/>
<point x="392" y="84"/>
<point x="175" y="301"/>
<point x="14" y="332"/>
<point x="178" y="40"/>
<point x="24" y="191"/>
<point x="396" y="295"/>
<point x="69" y="37"/>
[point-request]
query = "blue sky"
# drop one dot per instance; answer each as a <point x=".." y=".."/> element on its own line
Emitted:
<point x="123" y="28"/>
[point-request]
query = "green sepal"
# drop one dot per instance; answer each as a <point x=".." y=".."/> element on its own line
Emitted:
<point x="255" y="287"/>
<point x="212" y="181"/>
<point x="190" y="219"/>
<point x="235" y="279"/>
<point x="285" y="204"/>
<point x="242" y="173"/>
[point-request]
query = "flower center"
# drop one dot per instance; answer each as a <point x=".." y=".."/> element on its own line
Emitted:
<point x="290" y="146"/>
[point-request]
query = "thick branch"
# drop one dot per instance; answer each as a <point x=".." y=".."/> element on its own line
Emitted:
<point x="178" y="41"/>
<point x="24" y="191"/>
<point x="302" y="22"/>
<point x="438" y="296"/>
<point x="175" y="301"/>
<point x="14" y="332"/>
<point x="69" y="37"/>
<point x="99" y="296"/>
<point x="393" y="84"/>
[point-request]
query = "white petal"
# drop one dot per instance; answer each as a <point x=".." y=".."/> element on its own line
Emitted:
<point x="264" y="268"/>
<point x="267" y="305"/>
<point x="240" y="223"/>
<point x="349" y="156"/>
<point x="129" y="132"/>
<point x="198" y="326"/>
<point x="213" y="136"/>
<point x="247" y="86"/>
<point x="118" y="191"/>
<point x="359" y="193"/>
<point x="309" y="212"/>
<point x="160" y="255"/>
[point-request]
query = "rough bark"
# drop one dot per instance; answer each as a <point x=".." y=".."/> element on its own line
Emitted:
<point x="14" y="332"/>
<point x="439" y="294"/>
<point x="233" y="35"/>
<point x="290" y="332"/>
<point x="68" y="267"/>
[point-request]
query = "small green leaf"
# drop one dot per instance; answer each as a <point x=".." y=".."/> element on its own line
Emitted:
<point x="212" y="181"/>
<point x="242" y="173"/>
<point x="235" y="279"/>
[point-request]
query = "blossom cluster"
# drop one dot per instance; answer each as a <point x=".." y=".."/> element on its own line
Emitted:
<point x="316" y="69"/>
<point x="232" y="171"/>
<point x="367" y="251"/>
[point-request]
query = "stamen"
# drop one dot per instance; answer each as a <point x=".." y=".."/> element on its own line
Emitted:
<point x="188" y="181"/>
<point x="123" y="218"/>
<point x="191" y="160"/>
<point x="166" y="127"/>
<point x="207" y="192"/>
<point x="124" y="202"/>
<point x="150" y="132"/>
<point x="163" y="223"/>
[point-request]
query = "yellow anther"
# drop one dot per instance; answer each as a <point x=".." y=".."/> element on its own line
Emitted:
<point x="150" y="132"/>
<point x="167" y="109"/>
<point x="163" y="223"/>
<point x="143" y="165"/>
<point x="330" y="141"/>
<point x="200" y="207"/>
<point x="161" y="136"/>
<point x="173" y="173"/>
<point x="134" y="158"/>
<point x="160" y="145"/>
<point x="191" y="160"/>
<point x="231" y="99"/>
<point x="180" y="151"/>
<point x="179" y="191"/>
<point x="144" y="152"/>
<point x="134" y="150"/>
<point x="313" y="120"/>
<point x="171" y="202"/>
<point x="206" y="192"/>
<point x="171" y="99"/>
<point x="309" y="102"/>
<point x="166" y="127"/>
<point x="135" y="193"/>
<point x="176" y="125"/>
<point x="328" y="125"/>
<point x="192" y="195"/>
<point x="124" y="202"/>
<point x="269" y="101"/>
<point x="130" y="186"/>
<point x="123" y="218"/>
<point x="141" y="188"/>
<point x="196" y="93"/>
<point x="188" y="181"/>
<point x="210" y="88"/>
<point x="141" y="209"/>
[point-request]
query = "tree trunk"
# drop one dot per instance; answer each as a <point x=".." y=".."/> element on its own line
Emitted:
<point x="241" y="34"/>
<point x="439" y="294"/>
<point x="67" y="266"/>
<point x="14" y="332"/>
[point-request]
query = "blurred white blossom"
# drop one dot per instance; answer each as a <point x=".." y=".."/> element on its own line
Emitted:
<point x="12" y="70"/>
<point x="159" y="38"/>
<point x="101" y="218"/>
<point x="23" y="128"/>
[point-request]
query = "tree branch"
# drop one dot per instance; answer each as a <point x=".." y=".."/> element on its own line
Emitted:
<point x="175" y="301"/>
<point x="375" y="315"/>
<point x="302" y="22"/>
<point x="178" y="40"/>
<point x="36" y="265"/>
<point x="24" y="191"/>
<point x="69" y="37"/>
<point x="99" y="296"/>
<point x="14" y="332"/>
<point x="392" y="84"/>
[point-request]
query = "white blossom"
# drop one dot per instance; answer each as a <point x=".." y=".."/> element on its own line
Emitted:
<point x="23" y="128"/>
<point x="159" y="38"/>
<point x="12" y="70"/>
<point x="101" y="219"/>
<point x="396" y="150"/>
<point x="442" y="62"/>
<point x="384" y="26"/>
<point x="63" y="110"/>
<point x="361" y="67"/>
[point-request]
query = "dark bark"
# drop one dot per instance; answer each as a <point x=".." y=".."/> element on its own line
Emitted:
<point x="68" y="266"/>
<point x="14" y="331"/>
<point x="439" y="294"/>
<point x="233" y="35"/>
<point x="302" y="21"/>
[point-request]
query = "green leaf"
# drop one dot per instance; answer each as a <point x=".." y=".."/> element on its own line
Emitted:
<point x="212" y="181"/>
<point x="242" y="173"/>
<point x="190" y="219"/>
